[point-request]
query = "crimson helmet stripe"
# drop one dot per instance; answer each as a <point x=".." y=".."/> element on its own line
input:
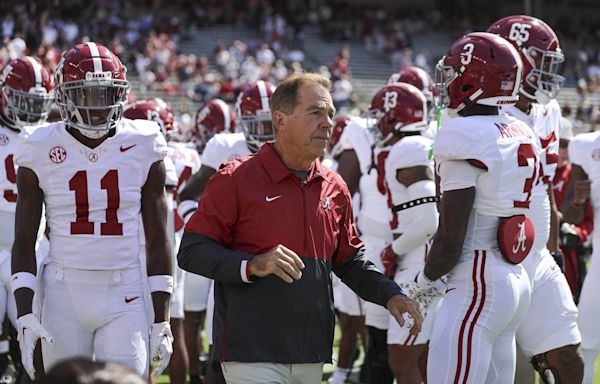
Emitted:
<point x="264" y="96"/>
<point x="95" y="53"/>
<point x="226" y="115"/>
<point x="37" y="71"/>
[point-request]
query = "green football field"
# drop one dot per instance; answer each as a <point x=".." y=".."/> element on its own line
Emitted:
<point x="329" y="369"/>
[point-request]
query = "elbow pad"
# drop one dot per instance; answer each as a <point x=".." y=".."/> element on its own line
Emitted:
<point x="424" y="219"/>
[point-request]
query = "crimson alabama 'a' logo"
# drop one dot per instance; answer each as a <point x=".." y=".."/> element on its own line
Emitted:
<point x="57" y="154"/>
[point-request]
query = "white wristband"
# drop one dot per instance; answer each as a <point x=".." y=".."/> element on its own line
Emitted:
<point x="186" y="209"/>
<point x="160" y="283"/>
<point x="23" y="280"/>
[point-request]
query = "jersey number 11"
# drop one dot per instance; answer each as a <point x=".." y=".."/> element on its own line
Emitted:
<point x="82" y="224"/>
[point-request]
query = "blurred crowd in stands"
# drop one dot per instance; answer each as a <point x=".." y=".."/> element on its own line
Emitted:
<point x="146" y="35"/>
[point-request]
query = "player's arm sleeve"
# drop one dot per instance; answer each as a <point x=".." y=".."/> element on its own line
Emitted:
<point x="353" y="268"/>
<point x="458" y="174"/>
<point x="23" y="156"/>
<point x="205" y="256"/>
<point x="204" y="246"/>
<point x="469" y="145"/>
<point x="579" y="153"/>
<point x="211" y="155"/>
<point x="155" y="149"/>
<point x="424" y="221"/>
<point x="171" y="173"/>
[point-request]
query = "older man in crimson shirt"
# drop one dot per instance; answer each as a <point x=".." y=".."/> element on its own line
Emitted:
<point x="269" y="230"/>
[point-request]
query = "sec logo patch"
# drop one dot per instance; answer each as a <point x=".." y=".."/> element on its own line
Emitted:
<point x="596" y="154"/>
<point x="4" y="140"/>
<point x="57" y="154"/>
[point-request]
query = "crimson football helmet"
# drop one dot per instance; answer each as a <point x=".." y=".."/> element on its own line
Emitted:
<point x="397" y="107"/>
<point x="334" y="147"/>
<point x="213" y="117"/>
<point x="154" y="109"/>
<point x="479" y="68"/>
<point x="254" y="113"/>
<point x="540" y="51"/>
<point x="25" y="93"/>
<point x="91" y="89"/>
<point x="420" y="79"/>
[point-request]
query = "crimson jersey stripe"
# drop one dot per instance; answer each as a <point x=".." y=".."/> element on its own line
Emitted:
<point x="476" y="317"/>
<point x="465" y="319"/>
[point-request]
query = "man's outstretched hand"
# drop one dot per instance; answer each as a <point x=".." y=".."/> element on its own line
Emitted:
<point x="400" y="304"/>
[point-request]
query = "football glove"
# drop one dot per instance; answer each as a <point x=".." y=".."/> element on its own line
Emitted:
<point x="161" y="346"/>
<point x="30" y="331"/>
<point x="424" y="291"/>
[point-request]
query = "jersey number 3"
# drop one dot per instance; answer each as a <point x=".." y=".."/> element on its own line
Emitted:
<point x="82" y="224"/>
<point x="524" y="153"/>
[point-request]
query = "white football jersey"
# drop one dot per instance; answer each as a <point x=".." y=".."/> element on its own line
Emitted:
<point x="224" y="147"/>
<point x="505" y="147"/>
<point x="410" y="151"/>
<point x="544" y="120"/>
<point x="93" y="196"/>
<point x="374" y="215"/>
<point x="584" y="150"/>
<point x="431" y="131"/>
<point x="8" y="186"/>
<point x="186" y="162"/>
<point x="8" y="171"/>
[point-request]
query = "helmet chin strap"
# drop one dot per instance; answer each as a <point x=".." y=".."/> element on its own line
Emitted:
<point x="530" y="96"/>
